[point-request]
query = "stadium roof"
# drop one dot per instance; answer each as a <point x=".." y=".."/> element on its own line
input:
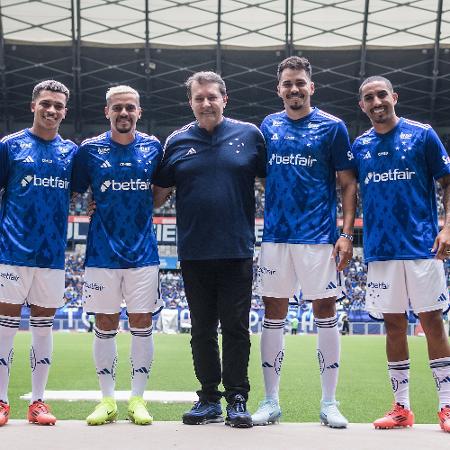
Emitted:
<point x="154" y="45"/>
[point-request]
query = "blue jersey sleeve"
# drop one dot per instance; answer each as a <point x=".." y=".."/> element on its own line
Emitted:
<point x="436" y="156"/>
<point x="80" y="173"/>
<point x="341" y="150"/>
<point x="4" y="165"/>
<point x="164" y="176"/>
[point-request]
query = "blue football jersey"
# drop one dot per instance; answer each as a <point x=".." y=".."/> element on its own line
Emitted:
<point x="35" y="179"/>
<point x="302" y="159"/>
<point x="396" y="174"/>
<point x="121" y="233"/>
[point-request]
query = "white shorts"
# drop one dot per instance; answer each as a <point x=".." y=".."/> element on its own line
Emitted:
<point x="104" y="290"/>
<point x="32" y="285"/>
<point x="393" y="285"/>
<point x="282" y="268"/>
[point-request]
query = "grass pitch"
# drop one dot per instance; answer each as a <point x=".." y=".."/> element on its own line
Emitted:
<point x="364" y="388"/>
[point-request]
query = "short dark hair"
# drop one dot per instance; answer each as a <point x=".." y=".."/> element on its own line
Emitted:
<point x="49" y="85"/>
<point x="294" y="63"/>
<point x="376" y="78"/>
<point x="204" y="78"/>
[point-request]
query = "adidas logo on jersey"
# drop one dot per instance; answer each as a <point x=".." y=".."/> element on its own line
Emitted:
<point x="132" y="185"/>
<point x="293" y="160"/>
<point x="391" y="175"/>
<point x="275" y="137"/>
<point x="105" y="165"/>
<point x="191" y="151"/>
<point x="52" y="182"/>
<point x="28" y="159"/>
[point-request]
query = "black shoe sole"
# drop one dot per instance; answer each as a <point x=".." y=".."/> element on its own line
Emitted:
<point x="240" y="424"/>
<point x="199" y="421"/>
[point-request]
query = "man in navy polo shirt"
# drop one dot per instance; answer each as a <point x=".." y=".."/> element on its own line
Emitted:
<point x="212" y="162"/>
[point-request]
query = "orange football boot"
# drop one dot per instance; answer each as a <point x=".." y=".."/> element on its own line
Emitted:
<point x="444" y="418"/>
<point x="39" y="412"/>
<point x="4" y="413"/>
<point x="397" y="417"/>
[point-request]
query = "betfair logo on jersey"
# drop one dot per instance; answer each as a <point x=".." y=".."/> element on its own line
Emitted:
<point x="51" y="182"/>
<point x="9" y="276"/>
<point x="132" y="185"/>
<point x="94" y="286"/>
<point x="391" y="175"/>
<point x="378" y="285"/>
<point x="292" y="160"/>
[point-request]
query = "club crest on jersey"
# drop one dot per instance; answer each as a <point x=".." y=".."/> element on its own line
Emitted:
<point x="103" y="150"/>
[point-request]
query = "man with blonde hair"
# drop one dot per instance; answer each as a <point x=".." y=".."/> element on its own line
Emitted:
<point x="122" y="254"/>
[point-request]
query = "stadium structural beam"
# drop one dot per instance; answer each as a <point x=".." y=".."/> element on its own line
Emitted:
<point x="147" y="69"/>
<point x="76" y="64"/>
<point x="219" y="38"/>
<point x="437" y="40"/>
<point x="4" y="95"/>
<point x="363" y="60"/>
<point x="289" y="21"/>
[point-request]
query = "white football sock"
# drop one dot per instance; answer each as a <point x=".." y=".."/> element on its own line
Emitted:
<point x="272" y="354"/>
<point x="105" y="358"/>
<point x="8" y="329"/>
<point x="40" y="354"/>
<point x="141" y="357"/>
<point x="328" y="353"/>
<point x="399" y="375"/>
<point x="441" y="373"/>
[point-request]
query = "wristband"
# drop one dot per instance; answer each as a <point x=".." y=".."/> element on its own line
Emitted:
<point x="347" y="236"/>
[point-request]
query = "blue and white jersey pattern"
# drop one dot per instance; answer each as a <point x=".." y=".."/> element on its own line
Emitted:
<point x="121" y="233"/>
<point x="303" y="157"/>
<point x="35" y="177"/>
<point x="396" y="174"/>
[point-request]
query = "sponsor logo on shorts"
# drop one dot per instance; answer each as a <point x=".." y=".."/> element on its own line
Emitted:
<point x="9" y="276"/>
<point x="94" y="286"/>
<point x="266" y="271"/>
<point x="378" y="285"/>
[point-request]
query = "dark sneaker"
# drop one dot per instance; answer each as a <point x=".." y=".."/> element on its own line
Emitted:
<point x="237" y="414"/>
<point x="202" y="413"/>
